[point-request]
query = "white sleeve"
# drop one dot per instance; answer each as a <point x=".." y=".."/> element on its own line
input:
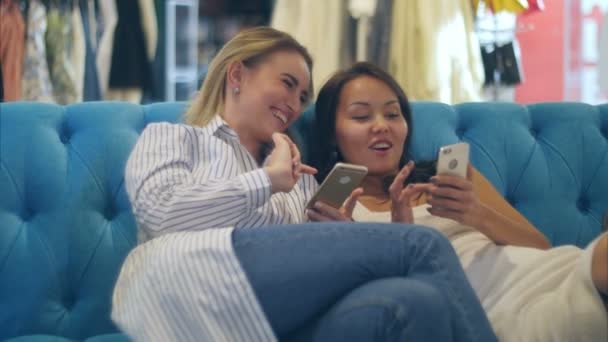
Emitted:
<point x="165" y="196"/>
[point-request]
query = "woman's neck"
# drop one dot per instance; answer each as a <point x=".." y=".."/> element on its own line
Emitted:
<point x="374" y="186"/>
<point x="374" y="197"/>
<point x="245" y="138"/>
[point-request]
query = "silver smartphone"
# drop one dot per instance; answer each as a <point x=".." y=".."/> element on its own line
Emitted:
<point x="453" y="159"/>
<point x="339" y="184"/>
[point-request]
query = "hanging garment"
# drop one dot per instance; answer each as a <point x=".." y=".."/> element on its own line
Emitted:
<point x="434" y="53"/>
<point x="91" y="90"/>
<point x="603" y="57"/>
<point x="109" y="19"/>
<point x="514" y="6"/>
<point x="78" y="53"/>
<point x="12" y="41"/>
<point x="362" y="11"/>
<point x="378" y="39"/>
<point x="502" y="62"/>
<point x="159" y="63"/>
<point x="149" y="26"/>
<point x="58" y="41"/>
<point x="92" y="17"/>
<point x="130" y="69"/>
<point x="36" y="82"/>
<point x="320" y="26"/>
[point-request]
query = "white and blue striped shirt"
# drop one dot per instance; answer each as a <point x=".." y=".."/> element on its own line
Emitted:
<point x="189" y="188"/>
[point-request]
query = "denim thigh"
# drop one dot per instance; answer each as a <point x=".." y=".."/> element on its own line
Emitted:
<point x="390" y="309"/>
<point x="299" y="272"/>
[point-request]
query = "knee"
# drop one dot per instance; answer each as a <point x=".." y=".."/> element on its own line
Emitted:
<point x="429" y="239"/>
<point x="386" y="310"/>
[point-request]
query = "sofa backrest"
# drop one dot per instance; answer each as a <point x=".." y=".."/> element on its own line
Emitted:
<point x="66" y="224"/>
<point x="65" y="219"/>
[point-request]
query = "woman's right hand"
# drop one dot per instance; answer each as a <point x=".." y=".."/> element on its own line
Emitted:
<point x="283" y="165"/>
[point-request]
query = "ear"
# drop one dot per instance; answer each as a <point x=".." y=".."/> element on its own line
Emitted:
<point x="234" y="75"/>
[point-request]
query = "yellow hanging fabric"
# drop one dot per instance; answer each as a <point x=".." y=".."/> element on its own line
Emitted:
<point x="475" y="5"/>
<point x="513" y="6"/>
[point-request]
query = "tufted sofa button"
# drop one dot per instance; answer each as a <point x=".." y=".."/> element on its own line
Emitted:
<point x="64" y="133"/>
<point x="111" y="210"/>
<point x="68" y="302"/>
<point x="26" y="215"/>
<point x="109" y="214"/>
<point x="582" y="204"/>
<point x="534" y="132"/>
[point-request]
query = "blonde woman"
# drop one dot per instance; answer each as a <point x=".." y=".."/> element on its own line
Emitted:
<point x="222" y="258"/>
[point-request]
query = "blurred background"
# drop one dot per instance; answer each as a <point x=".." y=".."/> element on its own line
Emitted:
<point x="453" y="51"/>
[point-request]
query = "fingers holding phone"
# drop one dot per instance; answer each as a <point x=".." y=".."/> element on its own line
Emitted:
<point x="451" y="194"/>
<point x="322" y="212"/>
<point x="337" y="195"/>
<point x="453" y="160"/>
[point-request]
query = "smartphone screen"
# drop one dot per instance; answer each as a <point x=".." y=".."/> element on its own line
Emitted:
<point x="339" y="184"/>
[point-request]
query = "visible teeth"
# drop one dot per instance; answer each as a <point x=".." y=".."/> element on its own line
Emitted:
<point x="381" y="145"/>
<point x="280" y="116"/>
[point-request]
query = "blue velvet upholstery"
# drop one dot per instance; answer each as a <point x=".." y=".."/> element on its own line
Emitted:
<point x="66" y="225"/>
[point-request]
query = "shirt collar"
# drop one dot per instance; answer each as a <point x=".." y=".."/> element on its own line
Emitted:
<point x="218" y="127"/>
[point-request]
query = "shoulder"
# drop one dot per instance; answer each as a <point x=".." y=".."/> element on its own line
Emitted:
<point x="483" y="187"/>
<point x="166" y="132"/>
<point x="168" y="128"/>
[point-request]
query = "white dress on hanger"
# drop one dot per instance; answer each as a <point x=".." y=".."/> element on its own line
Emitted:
<point x="319" y="25"/>
<point x="434" y="53"/>
<point x="363" y="11"/>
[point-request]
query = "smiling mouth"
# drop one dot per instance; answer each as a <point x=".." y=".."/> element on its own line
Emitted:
<point x="280" y="116"/>
<point x="381" y="146"/>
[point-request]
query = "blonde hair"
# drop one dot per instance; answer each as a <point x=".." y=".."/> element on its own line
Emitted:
<point x="250" y="46"/>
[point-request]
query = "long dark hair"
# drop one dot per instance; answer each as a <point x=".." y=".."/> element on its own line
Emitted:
<point x="325" y="149"/>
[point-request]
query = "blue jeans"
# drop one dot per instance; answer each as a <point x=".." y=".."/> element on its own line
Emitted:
<point x="360" y="282"/>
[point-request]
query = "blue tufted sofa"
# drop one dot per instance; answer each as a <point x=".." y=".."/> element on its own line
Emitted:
<point x="66" y="225"/>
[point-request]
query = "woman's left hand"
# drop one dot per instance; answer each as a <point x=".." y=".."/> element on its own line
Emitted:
<point x="321" y="212"/>
<point x="453" y="197"/>
<point x="401" y="197"/>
